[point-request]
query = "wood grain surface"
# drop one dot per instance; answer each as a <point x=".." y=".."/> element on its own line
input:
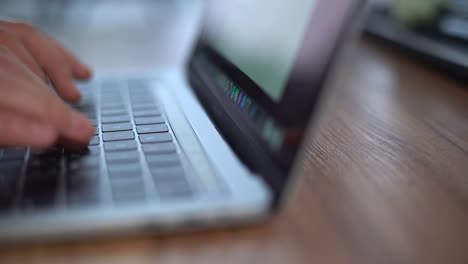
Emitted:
<point x="386" y="181"/>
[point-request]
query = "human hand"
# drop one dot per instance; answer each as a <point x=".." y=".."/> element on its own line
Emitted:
<point x="31" y="114"/>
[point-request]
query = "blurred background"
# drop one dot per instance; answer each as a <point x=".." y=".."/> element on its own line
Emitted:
<point x="433" y="31"/>
<point x="113" y="34"/>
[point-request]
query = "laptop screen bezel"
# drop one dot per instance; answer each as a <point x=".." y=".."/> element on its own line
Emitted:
<point x="316" y="52"/>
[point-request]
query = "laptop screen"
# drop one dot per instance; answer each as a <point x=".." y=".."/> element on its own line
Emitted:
<point x="259" y="69"/>
<point x="261" y="38"/>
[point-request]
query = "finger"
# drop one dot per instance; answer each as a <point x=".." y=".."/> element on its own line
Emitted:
<point x="18" y="130"/>
<point x="72" y="145"/>
<point x="79" y="70"/>
<point x="26" y="58"/>
<point x="54" y="63"/>
<point x="61" y="77"/>
<point x="23" y="54"/>
<point x="20" y="90"/>
<point x="45" y="107"/>
<point x="59" y="73"/>
<point x="33" y="98"/>
<point x="79" y="130"/>
<point x="49" y="110"/>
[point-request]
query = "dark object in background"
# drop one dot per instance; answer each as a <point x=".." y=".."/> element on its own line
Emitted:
<point x="442" y="44"/>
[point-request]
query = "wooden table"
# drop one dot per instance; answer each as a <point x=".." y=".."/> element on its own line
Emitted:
<point x="386" y="181"/>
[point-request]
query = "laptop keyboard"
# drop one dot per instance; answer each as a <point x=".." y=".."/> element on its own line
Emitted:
<point x="133" y="157"/>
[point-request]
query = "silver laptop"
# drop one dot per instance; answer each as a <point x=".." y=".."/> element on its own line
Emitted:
<point x="210" y="145"/>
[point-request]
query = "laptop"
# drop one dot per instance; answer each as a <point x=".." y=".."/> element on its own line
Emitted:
<point x="214" y="144"/>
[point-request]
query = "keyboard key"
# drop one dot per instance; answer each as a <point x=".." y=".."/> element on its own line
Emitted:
<point x="157" y="128"/>
<point x="149" y="120"/>
<point x="10" y="167"/>
<point x="6" y="201"/>
<point x="125" y="198"/>
<point x="174" y="191"/>
<point x="90" y="115"/>
<point x="141" y="97"/>
<point x="40" y="189"/>
<point x="115" y="136"/>
<point x="113" y="107"/>
<point x="52" y="152"/>
<point x="143" y="101"/>
<point x="94" y="141"/>
<point x="90" y="151"/>
<point x="180" y="183"/>
<point x="14" y="153"/>
<point x="109" y="99"/>
<point x="155" y="138"/>
<point x="85" y="86"/>
<point x="82" y="177"/>
<point x="145" y="113"/>
<point x="113" y="112"/>
<point x="128" y="190"/>
<point x="127" y="185"/>
<point x="139" y="83"/>
<point x="167" y="175"/>
<point x="117" y="127"/>
<point x="37" y="201"/>
<point x="37" y="161"/>
<point x="111" y="93"/>
<point x="122" y="157"/>
<point x="42" y="174"/>
<point x="115" y="119"/>
<point x="82" y="187"/>
<point x="8" y="189"/>
<point x="120" y="145"/>
<point x="159" y="148"/>
<point x="83" y="195"/>
<point x="111" y="85"/>
<point x="140" y="93"/>
<point x="93" y="122"/>
<point x="119" y="171"/>
<point x="137" y="92"/>
<point x="88" y="108"/>
<point x="85" y="162"/>
<point x="143" y="107"/>
<point x="94" y="150"/>
<point x="163" y="160"/>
